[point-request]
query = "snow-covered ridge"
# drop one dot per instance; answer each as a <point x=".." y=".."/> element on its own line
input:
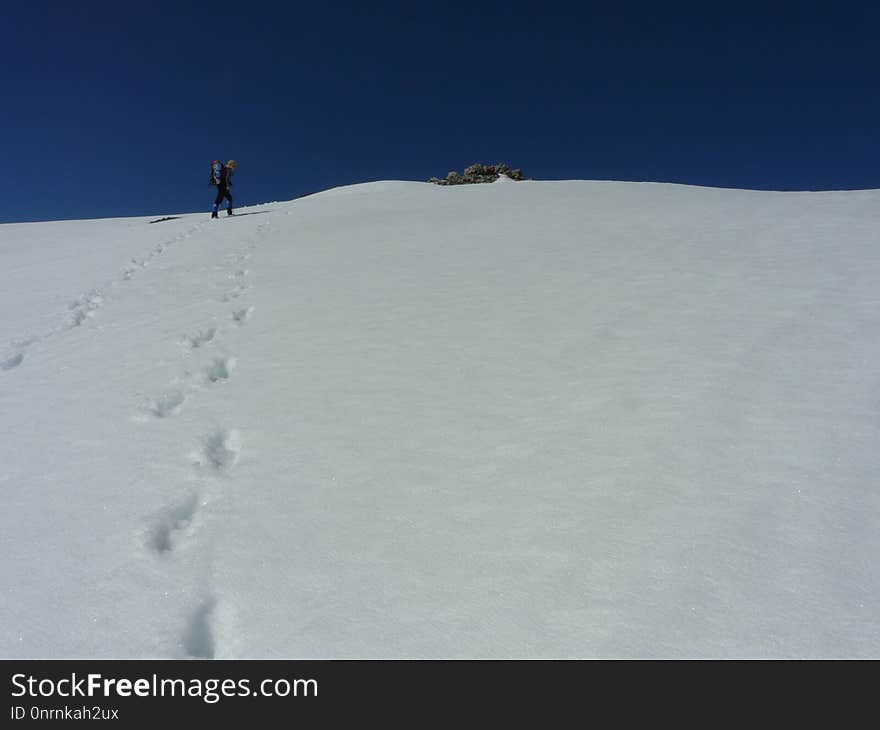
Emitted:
<point x="536" y="419"/>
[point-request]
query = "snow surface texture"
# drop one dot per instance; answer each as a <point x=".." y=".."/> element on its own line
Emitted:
<point x="537" y="419"/>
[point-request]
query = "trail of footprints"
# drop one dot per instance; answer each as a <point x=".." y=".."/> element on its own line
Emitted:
<point x="214" y="456"/>
<point x="87" y="305"/>
<point x="217" y="452"/>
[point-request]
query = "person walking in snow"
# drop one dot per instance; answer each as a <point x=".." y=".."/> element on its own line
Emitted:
<point x="221" y="176"/>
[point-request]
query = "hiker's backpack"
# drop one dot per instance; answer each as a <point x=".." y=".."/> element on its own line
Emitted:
<point x="216" y="172"/>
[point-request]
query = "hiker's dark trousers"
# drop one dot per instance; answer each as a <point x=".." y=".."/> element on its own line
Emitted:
<point x="222" y="192"/>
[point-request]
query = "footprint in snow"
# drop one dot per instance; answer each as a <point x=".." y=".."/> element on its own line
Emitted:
<point x="12" y="362"/>
<point x="198" y="638"/>
<point x="220" y="369"/>
<point x="212" y="630"/>
<point x="168" y="404"/>
<point x="200" y="338"/>
<point x="235" y="293"/>
<point x="84" y="307"/>
<point x="220" y="451"/>
<point x="242" y="315"/>
<point x="171" y="524"/>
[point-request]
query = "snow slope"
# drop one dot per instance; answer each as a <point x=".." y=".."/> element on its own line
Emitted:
<point x="538" y="419"/>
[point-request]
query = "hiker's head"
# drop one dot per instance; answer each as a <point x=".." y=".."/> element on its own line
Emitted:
<point x="232" y="163"/>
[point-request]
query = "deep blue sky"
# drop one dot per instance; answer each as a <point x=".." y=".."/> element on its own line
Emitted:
<point x="117" y="108"/>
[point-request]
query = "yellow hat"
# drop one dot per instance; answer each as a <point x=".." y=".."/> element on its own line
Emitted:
<point x="232" y="163"/>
